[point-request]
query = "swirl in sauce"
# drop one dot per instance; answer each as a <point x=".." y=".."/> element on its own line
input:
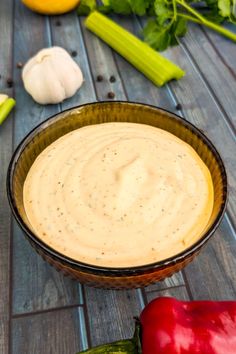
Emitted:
<point x="118" y="195"/>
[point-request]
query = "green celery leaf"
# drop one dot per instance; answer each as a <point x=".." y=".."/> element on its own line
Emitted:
<point x="120" y="6"/>
<point x="157" y="36"/>
<point x="162" y="11"/>
<point x="85" y="7"/>
<point x="180" y="27"/>
<point x="224" y="7"/>
<point x="234" y="9"/>
<point x="139" y="7"/>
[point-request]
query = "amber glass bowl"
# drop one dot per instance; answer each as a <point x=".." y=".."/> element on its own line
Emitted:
<point x="53" y="128"/>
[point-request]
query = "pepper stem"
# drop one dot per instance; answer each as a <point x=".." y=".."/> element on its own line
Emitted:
<point x="126" y="346"/>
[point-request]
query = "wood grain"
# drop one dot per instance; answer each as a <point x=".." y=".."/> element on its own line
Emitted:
<point x="219" y="78"/>
<point x="6" y="28"/>
<point x="224" y="47"/>
<point x="53" y="332"/>
<point x="36" y="286"/>
<point x="212" y="275"/>
<point x="110" y="314"/>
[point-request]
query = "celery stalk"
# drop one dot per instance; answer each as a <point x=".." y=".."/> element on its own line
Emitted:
<point x="6" y="108"/>
<point x="152" y="64"/>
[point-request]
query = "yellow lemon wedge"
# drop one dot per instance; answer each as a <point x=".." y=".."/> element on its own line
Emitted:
<point x="51" y="7"/>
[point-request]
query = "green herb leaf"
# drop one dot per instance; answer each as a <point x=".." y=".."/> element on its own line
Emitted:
<point x="139" y="7"/>
<point x="162" y="11"/>
<point x="157" y="36"/>
<point x="180" y="27"/>
<point x="224" y="7"/>
<point x="120" y="6"/>
<point x="171" y="16"/>
<point x="86" y="6"/>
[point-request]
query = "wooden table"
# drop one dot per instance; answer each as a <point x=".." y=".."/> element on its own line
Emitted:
<point x="41" y="311"/>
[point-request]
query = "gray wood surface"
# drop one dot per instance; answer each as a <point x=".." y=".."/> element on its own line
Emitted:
<point x="5" y="154"/>
<point x="47" y="333"/>
<point x="41" y="311"/>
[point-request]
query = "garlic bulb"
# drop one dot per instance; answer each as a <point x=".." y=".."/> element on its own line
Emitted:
<point x="51" y="76"/>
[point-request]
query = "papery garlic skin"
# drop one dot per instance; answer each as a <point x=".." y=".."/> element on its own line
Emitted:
<point x="51" y="76"/>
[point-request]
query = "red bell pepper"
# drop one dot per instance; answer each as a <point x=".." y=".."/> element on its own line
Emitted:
<point x="170" y="326"/>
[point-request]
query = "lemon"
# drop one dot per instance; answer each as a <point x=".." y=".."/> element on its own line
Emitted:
<point x="51" y="7"/>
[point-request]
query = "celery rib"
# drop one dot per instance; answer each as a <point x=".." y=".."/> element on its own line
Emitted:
<point x="152" y="64"/>
<point x="6" y="108"/>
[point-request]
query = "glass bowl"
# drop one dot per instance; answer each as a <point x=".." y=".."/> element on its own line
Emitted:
<point x="53" y="128"/>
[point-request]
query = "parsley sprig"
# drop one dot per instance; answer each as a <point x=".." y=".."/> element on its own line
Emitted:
<point x="168" y="18"/>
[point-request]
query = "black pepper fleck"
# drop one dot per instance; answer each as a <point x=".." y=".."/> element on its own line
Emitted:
<point x="99" y="78"/>
<point x="112" y="78"/>
<point x="58" y="23"/>
<point x="10" y="82"/>
<point x="178" y="106"/>
<point x="110" y="94"/>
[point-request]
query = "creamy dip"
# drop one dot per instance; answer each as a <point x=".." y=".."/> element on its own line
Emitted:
<point x="118" y="194"/>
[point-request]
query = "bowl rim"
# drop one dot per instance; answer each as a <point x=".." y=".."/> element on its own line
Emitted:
<point x="102" y="270"/>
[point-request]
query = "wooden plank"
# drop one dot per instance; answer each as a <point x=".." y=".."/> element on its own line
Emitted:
<point x="177" y="292"/>
<point x="69" y="36"/>
<point x="52" y="332"/>
<point x="37" y="286"/>
<point x="102" y="63"/>
<point x="110" y="314"/>
<point x="212" y="275"/>
<point x="220" y="79"/>
<point x="224" y="47"/>
<point x="6" y="8"/>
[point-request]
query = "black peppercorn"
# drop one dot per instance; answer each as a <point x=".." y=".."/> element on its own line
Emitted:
<point x="178" y="106"/>
<point x="99" y="78"/>
<point x="110" y="94"/>
<point x="74" y="53"/>
<point x="112" y="78"/>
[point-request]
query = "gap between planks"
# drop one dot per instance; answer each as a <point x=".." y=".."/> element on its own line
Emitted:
<point x="218" y="52"/>
<point x="49" y="310"/>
